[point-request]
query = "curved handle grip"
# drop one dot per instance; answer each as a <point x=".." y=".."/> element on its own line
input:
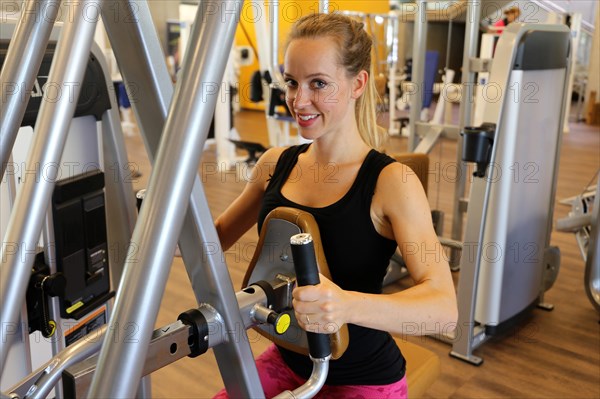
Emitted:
<point x="307" y="273"/>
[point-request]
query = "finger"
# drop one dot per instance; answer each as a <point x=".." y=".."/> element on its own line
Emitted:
<point x="309" y="293"/>
<point x="303" y="307"/>
<point x="304" y="320"/>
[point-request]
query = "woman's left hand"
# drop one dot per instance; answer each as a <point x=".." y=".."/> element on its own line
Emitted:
<point x="321" y="308"/>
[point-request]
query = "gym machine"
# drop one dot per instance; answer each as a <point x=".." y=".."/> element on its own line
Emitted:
<point x="592" y="262"/>
<point x="507" y="263"/>
<point x="422" y="135"/>
<point x="583" y="221"/>
<point x="286" y="255"/>
<point x="139" y="62"/>
<point x="87" y="225"/>
<point x="171" y="122"/>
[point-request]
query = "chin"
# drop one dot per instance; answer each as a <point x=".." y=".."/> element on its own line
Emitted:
<point x="309" y="136"/>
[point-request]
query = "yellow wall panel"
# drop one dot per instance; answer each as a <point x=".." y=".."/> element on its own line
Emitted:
<point x="289" y="12"/>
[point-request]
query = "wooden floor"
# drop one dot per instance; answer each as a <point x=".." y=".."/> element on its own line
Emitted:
<point x="551" y="355"/>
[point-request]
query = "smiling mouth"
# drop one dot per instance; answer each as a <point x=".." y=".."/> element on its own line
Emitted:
<point x="307" y="117"/>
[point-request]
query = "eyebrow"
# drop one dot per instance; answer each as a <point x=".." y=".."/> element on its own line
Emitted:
<point x="312" y="75"/>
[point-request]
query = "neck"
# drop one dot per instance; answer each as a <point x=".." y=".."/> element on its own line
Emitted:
<point x="340" y="149"/>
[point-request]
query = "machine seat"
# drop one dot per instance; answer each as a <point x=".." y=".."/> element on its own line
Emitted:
<point x="423" y="367"/>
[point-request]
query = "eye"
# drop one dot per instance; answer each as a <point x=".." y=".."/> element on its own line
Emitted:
<point x="290" y="83"/>
<point x="318" y="84"/>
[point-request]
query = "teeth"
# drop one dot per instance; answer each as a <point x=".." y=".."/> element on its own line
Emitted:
<point x="307" y="117"/>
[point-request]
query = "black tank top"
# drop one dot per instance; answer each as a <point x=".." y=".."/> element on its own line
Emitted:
<point x="357" y="257"/>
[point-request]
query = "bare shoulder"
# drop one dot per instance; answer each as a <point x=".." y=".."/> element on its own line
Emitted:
<point x="399" y="192"/>
<point x="398" y="178"/>
<point x="265" y="166"/>
<point x="271" y="155"/>
<point x="398" y="197"/>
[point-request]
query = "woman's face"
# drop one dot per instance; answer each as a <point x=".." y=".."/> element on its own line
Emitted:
<point x="511" y="16"/>
<point x="319" y="94"/>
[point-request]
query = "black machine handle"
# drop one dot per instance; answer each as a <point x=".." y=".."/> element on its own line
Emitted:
<point x="477" y="146"/>
<point x="307" y="273"/>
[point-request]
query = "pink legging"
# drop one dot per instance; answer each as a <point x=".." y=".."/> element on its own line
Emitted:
<point x="277" y="377"/>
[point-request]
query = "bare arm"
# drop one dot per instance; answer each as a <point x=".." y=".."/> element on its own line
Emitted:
<point x="429" y="307"/>
<point x="242" y="214"/>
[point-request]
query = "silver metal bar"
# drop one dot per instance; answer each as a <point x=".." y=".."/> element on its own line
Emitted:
<point x="571" y="224"/>
<point x="121" y="212"/>
<point x="448" y="46"/>
<point x="22" y="330"/>
<point x="429" y="139"/>
<point x="161" y="218"/>
<point x="247" y="300"/>
<point x="471" y="47"/>
<point x="278" y="80"/>
<point x="314" y="383"/>
<point x="22" y="63"/>
<point x="465" y="110"/>
<point x="169" y="344"/>
<point x="20" y="389"/>
<point x="393" y="61"/>
<point x="324" y="6"/>
<point x="590" y="191"/>
<point x="50" y="257"/>
<point x="448" y="131"/>
<point x="141" y="63"/>
<point x="11" y="185"/>
<point x="418" y="72"/>
<point x="447" y="242"/>
<point x="462" y="346"/>
<point x="392" y="43"/>
<point x="51" y="371"/>
<point x="18" y="247"/>
<point x="212" y="284"/>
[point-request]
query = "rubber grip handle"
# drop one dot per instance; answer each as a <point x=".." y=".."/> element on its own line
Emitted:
<point x="307" y="273"/>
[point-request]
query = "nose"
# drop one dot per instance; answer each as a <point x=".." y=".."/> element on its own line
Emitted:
<point x="301" y="98"/>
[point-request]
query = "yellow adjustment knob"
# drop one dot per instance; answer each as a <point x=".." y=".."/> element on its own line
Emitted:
<point x="52" y="325"/>
<point x="282" y="323"/>
<point x="74" y="307"/>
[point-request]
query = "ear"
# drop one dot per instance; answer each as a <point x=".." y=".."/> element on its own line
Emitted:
<point x="359" y="84"/>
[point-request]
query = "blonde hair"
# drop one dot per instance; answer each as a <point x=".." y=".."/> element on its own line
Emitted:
<point x="354" y="47"/>
<point x="513" y="10"/>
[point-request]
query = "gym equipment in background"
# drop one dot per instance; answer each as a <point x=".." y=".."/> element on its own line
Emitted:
<point x="583" y="221"/>
<point x="506" y="257"/>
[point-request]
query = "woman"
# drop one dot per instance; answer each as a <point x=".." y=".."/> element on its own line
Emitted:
<point x="366" y="205"/>
<point x="510" y="16"/>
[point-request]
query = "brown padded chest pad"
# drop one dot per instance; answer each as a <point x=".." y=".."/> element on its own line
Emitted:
<point x="307" y="224"/>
